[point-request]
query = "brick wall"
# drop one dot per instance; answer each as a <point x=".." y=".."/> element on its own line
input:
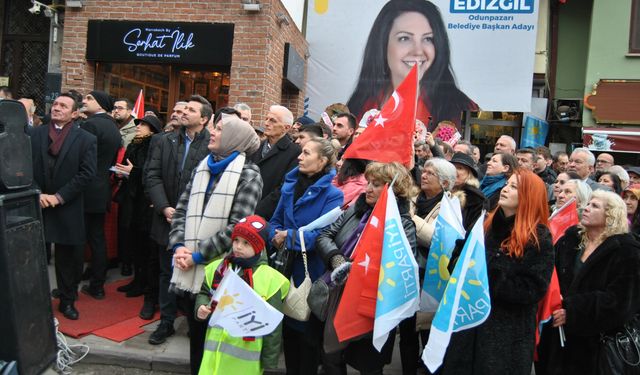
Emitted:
<point x="258" y="46"/>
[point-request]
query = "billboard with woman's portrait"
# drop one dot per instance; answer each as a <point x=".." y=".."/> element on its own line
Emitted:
<point x="471" y="54"/>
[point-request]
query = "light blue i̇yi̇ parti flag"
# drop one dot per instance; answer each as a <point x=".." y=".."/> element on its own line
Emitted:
<point x="448" y="229"/>
<point x="466" y="302"/>
<point x="534" y="133"/>
<point x="398" y="285"/>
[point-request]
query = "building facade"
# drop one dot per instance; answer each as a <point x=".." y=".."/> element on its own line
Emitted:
<point x="228" y="51"/>
<point x="596" y="75"/>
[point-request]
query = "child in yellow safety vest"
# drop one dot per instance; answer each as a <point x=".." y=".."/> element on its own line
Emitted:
<point x="224" y="354"/>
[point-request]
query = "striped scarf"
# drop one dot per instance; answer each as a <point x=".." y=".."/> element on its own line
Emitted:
<point x="204" y="219"/>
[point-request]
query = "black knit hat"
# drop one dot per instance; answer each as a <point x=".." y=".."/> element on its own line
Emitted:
<point x="304" y="120"/>
<point x="466" y="160"/>
<point x="104" y="99"/>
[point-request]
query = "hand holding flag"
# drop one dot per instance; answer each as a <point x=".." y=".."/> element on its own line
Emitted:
<point x="561" y="220"/>
<point x="356" y="310"/>
<point x="240" y="310"/>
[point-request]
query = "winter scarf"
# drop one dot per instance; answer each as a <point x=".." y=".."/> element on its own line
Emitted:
<point x="204" y="219"/>
<point x="491" y="184"/>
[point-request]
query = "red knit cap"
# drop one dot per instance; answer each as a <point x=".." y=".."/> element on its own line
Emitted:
<point x="255" y="230"/>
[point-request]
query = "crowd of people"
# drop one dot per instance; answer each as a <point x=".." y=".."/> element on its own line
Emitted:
<point x="211" y="190"/>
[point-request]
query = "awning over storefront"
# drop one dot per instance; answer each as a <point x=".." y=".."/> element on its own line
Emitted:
<point x="612" y="139"/>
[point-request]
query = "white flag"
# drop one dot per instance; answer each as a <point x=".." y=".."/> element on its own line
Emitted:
<point x="323" y="220"/>
<point x="241" y="311"/>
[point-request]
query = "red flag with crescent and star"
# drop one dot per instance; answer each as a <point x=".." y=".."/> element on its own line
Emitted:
<point x="357" y="308"/>
<point x="389" y="136"/>
<point x="564" y="218"/>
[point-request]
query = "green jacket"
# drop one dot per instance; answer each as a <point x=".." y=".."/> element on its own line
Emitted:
<point x="271" y="343"/>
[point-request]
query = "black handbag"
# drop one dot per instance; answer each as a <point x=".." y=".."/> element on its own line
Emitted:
<point x="281" y="259"/>
<point x="318" y="298"/>
<point x="620" y="351"/>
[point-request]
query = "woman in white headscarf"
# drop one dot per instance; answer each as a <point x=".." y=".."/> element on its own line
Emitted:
<point x="224" y="188"/>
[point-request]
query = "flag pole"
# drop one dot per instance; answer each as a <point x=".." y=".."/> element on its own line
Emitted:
<point x="563" y="206"/>
<point x="394" y="180"/>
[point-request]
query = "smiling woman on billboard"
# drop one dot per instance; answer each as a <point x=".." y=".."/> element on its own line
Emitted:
<point x="405" y="33"/>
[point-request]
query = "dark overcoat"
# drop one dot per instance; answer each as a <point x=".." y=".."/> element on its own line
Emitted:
<point x="279" y="161"/>
<point x="504" y="343"/>
<point x="134" y="206"/>
<point x="165" y="180"/>
<point x="68" y="175"/>
<point x="98" y="194"/>
<point x="598" y="298"/>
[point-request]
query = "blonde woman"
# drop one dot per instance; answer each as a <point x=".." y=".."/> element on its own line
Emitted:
<point x="598" y="265"/>
<point x="336" y="243"/>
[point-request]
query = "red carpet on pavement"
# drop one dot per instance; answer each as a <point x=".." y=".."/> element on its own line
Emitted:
<point x="126" y="329"/>
<point x="115" y="317"/>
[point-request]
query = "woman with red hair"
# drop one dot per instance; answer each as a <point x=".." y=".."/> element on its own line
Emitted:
<point x="519" y="263"/>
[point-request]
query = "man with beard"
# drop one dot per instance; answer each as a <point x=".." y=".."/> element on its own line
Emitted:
<point x="122" y="109"/>
<point x="172" y="157"/>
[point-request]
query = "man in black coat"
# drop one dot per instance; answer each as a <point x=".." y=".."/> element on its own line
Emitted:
<point x="276" y="156"/>
<point x="64" y="163"/>
<point x="97" y="105"/>
<point x="172" y="157"/>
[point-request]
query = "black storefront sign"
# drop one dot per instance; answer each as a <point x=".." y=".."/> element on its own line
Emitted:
<point x="153" y="42"/>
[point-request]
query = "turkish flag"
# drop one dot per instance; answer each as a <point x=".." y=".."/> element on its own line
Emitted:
<point x="563" y="219"/>
<point x="357" y="308"/>
<point x="389" y="136"/>
<point x="559" y="222"/>
<point x="551" y="302"/>
<point x="138" y="108"/>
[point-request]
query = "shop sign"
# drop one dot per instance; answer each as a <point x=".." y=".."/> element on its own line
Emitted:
<point x="615" y="101"/>
<point x="160" y="42"/>
<point x="611" y="139"/>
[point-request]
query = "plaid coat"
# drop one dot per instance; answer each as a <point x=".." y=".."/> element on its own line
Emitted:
<point x="247" y="196"/>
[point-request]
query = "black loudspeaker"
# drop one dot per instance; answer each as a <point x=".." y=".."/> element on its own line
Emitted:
<point x="26" y="318"/>
<point x="16" y="169"/>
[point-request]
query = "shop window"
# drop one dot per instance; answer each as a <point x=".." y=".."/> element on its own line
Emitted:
<point x="126" y="81"/>
<point x="214" y="86"/>
<point x="484" y="128"/>
<point x="634" y="34"/>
